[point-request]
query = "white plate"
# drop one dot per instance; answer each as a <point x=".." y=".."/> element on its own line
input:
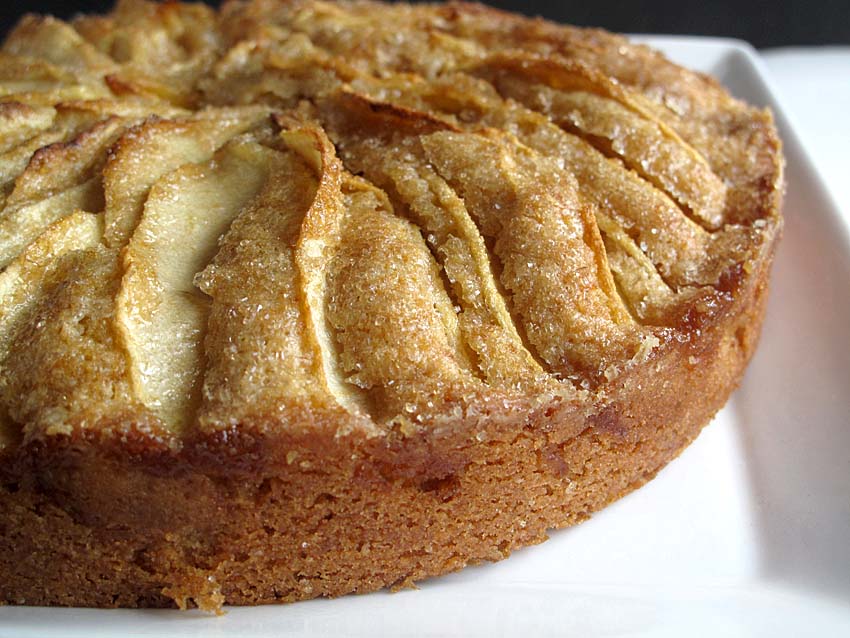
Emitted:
<point x="747" y="533"/>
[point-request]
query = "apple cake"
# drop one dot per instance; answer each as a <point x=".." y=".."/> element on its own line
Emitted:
<point x="304" y="298"/>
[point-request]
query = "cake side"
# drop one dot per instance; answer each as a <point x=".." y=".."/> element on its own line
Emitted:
<point x="326" y="516"/>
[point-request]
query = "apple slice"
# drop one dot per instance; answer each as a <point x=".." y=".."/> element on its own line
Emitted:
<point x="21" y="224"/>
<point x="15" y="67"/>
<point x="391" y="319"/>
<point x="161" y="316"/>
<point x="648" y="298"/>
<point x="154" y="149"/>
<point x="175" y="39"/>
<point x="382" y="142"/>
<point x="56" y="42"/>
<point x="20" y="122"/>
<point x="58" y="167"/>
<point x="316" y="245"/>
<point x="15" y="160"/>
<point x="22" y="281"/>
<point x="545" y="249"/>
<point x="604" y="113"/>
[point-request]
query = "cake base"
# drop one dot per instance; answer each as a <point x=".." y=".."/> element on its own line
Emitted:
<point x="253" y="519"/>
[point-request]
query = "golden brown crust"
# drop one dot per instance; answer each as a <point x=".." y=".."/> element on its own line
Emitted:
<point x="460" y="278"/>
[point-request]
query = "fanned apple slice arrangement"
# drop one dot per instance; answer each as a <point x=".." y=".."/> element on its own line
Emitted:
<point x="432" y="235"/>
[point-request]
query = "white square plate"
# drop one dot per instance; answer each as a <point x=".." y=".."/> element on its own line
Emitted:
<point x="746" y="534"/>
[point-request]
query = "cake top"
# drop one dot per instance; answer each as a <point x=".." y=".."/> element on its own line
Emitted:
<point x="354" y="217"/>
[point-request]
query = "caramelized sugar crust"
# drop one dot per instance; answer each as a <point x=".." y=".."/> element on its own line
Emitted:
<point x="305" y="298"/>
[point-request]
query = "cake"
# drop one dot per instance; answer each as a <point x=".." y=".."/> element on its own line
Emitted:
<point x="305" y="298"/>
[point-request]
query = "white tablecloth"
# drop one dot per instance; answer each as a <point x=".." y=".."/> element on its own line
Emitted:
<point x="813" y="86"/>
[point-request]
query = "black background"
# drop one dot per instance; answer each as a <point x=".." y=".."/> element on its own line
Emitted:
<point x="763" y="23"/>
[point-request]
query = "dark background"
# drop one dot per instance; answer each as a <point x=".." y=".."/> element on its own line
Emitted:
<point x="764" y="23"/>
